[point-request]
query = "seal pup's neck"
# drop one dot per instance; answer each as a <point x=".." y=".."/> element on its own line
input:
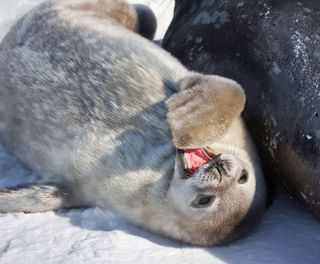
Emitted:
<point x="146" y="206"/>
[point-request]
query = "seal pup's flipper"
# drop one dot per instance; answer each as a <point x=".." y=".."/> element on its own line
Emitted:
<point x="138" y="18"/>
<point x="34" y="199"/>
<point x="147" y="21"/>
<point x="203" y="110"/>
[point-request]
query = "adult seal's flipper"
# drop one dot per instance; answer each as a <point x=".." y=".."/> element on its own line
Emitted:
<point x="272" y="48"/>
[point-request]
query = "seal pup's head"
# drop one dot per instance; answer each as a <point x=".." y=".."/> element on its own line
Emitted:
<point x="221" y="200"/>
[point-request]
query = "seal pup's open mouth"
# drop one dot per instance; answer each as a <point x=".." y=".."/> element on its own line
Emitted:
<point x="192" y="159"/>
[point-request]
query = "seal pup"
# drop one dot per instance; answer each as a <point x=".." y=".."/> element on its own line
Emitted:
<point x="110" y="119"/>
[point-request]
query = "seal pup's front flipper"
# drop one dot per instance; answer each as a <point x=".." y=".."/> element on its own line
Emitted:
<point x="203" y="110"/>
<point x="35" y="199"/>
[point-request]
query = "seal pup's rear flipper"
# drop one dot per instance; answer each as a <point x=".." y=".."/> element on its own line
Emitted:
<point x="203" y="110"/>
<point x="34" y="199"/>
<point x="147" y="21"/>
<point x="138" y="18"/>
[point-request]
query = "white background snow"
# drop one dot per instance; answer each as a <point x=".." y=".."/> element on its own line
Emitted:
<point x="287" y="234"/>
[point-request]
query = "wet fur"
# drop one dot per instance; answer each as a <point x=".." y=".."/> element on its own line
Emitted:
<point x="99" y="111"/>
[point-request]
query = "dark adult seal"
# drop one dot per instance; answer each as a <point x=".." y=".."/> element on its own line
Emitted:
<point x="273" y="49"/>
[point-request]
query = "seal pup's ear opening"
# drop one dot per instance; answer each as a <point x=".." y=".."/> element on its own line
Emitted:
<point x="147" y="22"/>
<point x="203" y="110"/>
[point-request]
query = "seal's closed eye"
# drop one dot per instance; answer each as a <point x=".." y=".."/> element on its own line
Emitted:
<point x="203" y="201"/>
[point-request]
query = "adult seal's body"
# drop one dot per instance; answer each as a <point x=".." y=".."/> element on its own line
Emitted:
<point x="272" y="47"/>
<point x="106" y="116"/>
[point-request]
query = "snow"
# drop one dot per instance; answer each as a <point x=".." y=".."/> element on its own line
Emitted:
<point x="287" y="233"/>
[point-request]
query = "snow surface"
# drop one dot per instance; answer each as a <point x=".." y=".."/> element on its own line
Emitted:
<point x="287" y="234"/>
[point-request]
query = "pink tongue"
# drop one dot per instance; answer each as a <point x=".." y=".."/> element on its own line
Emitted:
<point x="194" y="159"/>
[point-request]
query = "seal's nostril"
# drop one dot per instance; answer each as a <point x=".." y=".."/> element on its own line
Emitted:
<point x="243" y="177"/>
<point x="217" y="157"/>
